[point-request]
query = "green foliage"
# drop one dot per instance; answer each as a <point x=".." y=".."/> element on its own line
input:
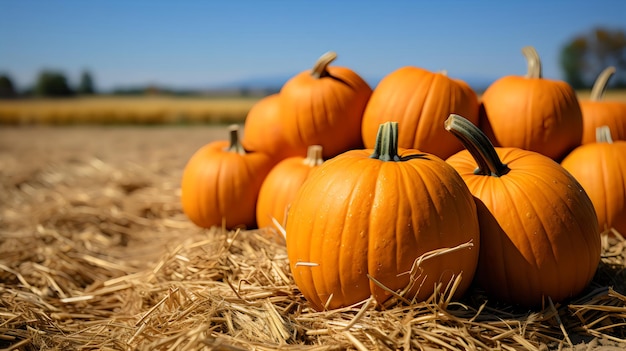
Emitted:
<point x="52" y="84"/>
<point x="572" y="63"/>
<point x="7" y="89"/>
<point x="86" y="86"/>
<point x="585" y="56"/>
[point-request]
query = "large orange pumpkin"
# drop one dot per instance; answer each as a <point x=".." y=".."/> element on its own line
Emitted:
<point x="601" y="169"/>
<point x="324" y="106"/>
<point x="420" y="101"/>
<point x="532" y="113"/>
<point x="264" y="131"/>
<point x="539" y="232"/>
<point x="364" y="217"/>
<point x="281" y="184"/>
<point x="598" y="112"/>
<point x="221" y="182"/>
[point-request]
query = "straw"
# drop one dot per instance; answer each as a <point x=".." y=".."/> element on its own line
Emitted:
<point x="86" y="263"/>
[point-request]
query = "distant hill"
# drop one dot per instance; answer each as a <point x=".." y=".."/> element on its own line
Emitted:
<point x="258" y="86"/>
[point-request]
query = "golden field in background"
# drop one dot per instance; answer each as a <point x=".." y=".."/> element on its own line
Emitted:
<point x="145" y="110"/>
<point x="125" y="110"/>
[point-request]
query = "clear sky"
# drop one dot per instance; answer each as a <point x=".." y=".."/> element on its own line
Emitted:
<point x="206" y="43"/>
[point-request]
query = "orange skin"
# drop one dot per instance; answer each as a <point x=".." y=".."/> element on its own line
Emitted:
<point x="420" y="101"/>
<point x="533" y="114"/>
<point x="601" y="170"/>
<point x="280" y="186"/>
<point x="222" y="185"/>
<point x="603" y="113"/>
<point x="539" y="233"/>
<point x="357" y="216"/>
<point x="265" y="132"/>
<point x="324" y="109"/>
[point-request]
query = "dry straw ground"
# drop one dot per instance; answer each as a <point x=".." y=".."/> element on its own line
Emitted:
<point x="96" y="254"/>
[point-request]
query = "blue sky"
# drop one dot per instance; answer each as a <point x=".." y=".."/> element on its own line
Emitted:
<point x="208" y="43"/>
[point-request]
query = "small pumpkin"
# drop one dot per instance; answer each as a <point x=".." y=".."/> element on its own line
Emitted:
<point x="324" y="106"/>
<point x="420" y="101"/>
<point x="531" y="112"/>
<point x="221" y="182"/>
<point x="282" y="183"/>
<point x="264" y="131"/>
<point x="598" y="112"/>
<point x="539" y="232"/>
<point x="600" y="168"/>
<point x="362" y="219"/>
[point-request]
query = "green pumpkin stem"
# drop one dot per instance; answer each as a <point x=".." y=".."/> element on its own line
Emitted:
<point x="386" y="148"/>
<point x="533" y="61"/>
<point x="603" y="135"/>
<point x="599" y="86"/>
<point x="314" y="156"/>
<point x="478" y="145"/>
<point x="235" y="145"/>
<point x="321" y="65"/>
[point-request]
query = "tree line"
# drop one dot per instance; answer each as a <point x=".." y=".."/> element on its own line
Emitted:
<point x="581" y="59"/>
<point x="49" y="83"/>
<point x="586" y="55"/>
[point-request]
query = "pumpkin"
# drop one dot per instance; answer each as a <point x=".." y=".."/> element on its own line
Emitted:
<point x="598" y="112"/>
<point x="420" y="101"/>
<point x="324" y="106"/>
<point x="282" y="183"/>
<point x="539" y="231"/>
<point x="363" y="218"/>
<point x="601" y="169"/>
<point x="532" y="113"/>
<point x="221" y="182"/>
<point x="264" y="131"/>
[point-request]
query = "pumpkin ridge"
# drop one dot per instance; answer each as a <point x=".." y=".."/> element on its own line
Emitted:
<point x="423" y="106"/>
<point x="411" y="204"/>
<point x="317" y="103"/>
<point x="621" y="166"/>
<point x="226" y="176"/>
<point x="507" y="270"/>
<point x="521" y="243"/>
<point x="558" y="262"/>
<point x="332" y="120"/>
<point x="221" y="169"/>
<point x="544" y="229"/>
<point x="605" y="169"/>
<point x="310" y="286"/>
<point x="342" y="260"/>
<point x="413" y="178"/>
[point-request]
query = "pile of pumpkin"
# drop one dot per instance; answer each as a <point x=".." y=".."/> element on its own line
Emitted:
<point x="402" y="189"/>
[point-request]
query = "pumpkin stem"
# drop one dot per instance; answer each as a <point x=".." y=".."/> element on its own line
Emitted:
<point x="320" y="69"/>
<point x="599" y="86"/>
<point x="478" y="145"/>
<point x="386" y="148"/>
<point x="235" y="144"/>
<point x="534" y="62"/>
<point x="314" y="156"/>
<point x="603" y="135"/>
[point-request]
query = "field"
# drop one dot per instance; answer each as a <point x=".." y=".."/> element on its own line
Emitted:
<point x="125" y="110"/>
<point x="144" y="110"/>
<point x="95" y="253"/>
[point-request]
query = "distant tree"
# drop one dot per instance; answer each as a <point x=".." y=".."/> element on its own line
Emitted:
<point x="7" y="89"/>
<point x="86" y="86"/>
<point x="586" y="55"/>
<point x="573" y="64"/>
<point x="52" y="84"/>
